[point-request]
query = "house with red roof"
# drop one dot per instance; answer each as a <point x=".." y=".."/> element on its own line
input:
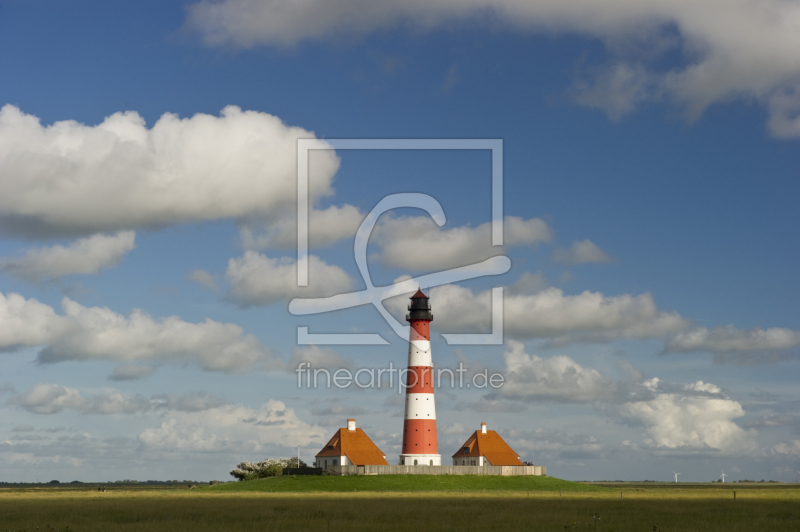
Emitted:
<point x="486" y="448"/>
<point x="350" y="446"/>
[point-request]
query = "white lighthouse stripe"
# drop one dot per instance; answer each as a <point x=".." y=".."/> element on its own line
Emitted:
<point x="422" y="345"/>
<point x="420" y="406"/>
<point x="418" y="358"/>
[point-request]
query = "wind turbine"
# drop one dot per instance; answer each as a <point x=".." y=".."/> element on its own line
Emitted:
<point x="723" y="475"/>
<point x="676" y="477"/>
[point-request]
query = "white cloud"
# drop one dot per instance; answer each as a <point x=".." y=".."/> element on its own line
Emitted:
<point x="325" y="226"/>
<point x="581" y="253"/>
<point x="730" y="339"/>
<point x="731" y="48"/>
<point x="455" y="428"/>
<point x="616" y="89"/>
<point x="317" y="357"/>
<point x="700" y="386"/>
<point x="129" y="372"/>
<point x="673" y="421"/>
<point x="792" y="448"/>
<point x="588" y="316"/>
<point x="544" y="439"/>
<point x="417" y="243"/>
<point x="98" y="333"/>
<point x="27" y="322"/>
<point x="83" y="256"/>
<point x="259" y="280"/>
<point x="558" y="378"/>
<point x="49" y="398"/>
<point x="490" y="406"/>
<point x="528" y="283"/>
<point x="204" y="278"/>
<point x="232" y="428"/>
<point x="70" y="178"/>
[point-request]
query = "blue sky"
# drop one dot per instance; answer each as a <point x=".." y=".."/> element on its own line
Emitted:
<point x="145" y="260"/>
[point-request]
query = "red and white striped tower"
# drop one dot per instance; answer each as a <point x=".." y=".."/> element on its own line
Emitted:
<point x="420" y="446"/>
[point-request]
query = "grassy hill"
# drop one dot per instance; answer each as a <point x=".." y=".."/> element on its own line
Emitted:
<point x="471" y="483"/>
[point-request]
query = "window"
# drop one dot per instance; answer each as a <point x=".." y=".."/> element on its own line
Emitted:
<point x="334" y="462"/>
<point x="466" y="450"/>
<point x="431" y="462"/>
<point x="326" y="464"/>
<point x="415" y="462"/>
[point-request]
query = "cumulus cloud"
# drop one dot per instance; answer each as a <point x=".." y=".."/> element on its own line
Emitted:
<point x="616" y="89"/>
<point x="455" y="428"/>
<point x="71" y="178"/>
<point x="83" y="256"/>
<point x="47" y="398"/>
<point x="234" y="428"/>
<point x="581" y="253"/>
<point x="325" y="226"/>
<point x="558" y="379"/>
<point x="129" y="372"/>
<point x="204" y="278"/>
<point x="588" y="316"/>
<point x="528" y="283"/>
<point x="548" y="439"/>
<point x="317" y="357"/>
<point x="689" y="417"/>
<point x="674" y="421"/>
<point x="256" y="279"/>
<point x="732" y="340"/>
<point x="27" y="322"/>
<point x="336" y="411"/>
<point x="98" y="333"/>
<point x="417" y="243"/>
<point x="490" y="406"/>
<point x="792" y="448"/>
<point x="731" y="49"/>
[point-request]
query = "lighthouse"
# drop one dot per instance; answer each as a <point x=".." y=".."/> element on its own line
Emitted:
<point x="420" y="445"/>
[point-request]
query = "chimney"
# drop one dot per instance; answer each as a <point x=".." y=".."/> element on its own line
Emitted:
<point x="351" y="424"/>
<point x="483" y="428"/>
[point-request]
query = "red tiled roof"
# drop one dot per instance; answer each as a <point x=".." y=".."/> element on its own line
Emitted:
<point x="418" y="295"/>
<point x="491" y="446"/>
<point x="356" y="446"/>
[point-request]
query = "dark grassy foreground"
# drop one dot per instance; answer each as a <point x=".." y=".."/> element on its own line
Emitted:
<point x="401" y="483"/>
<point x="203" y="510"/>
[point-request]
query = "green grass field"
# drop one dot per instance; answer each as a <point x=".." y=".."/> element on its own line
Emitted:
<point x="400" y="483"/>
<point x="322" y="503"/>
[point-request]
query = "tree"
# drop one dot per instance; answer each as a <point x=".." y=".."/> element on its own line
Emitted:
<point x="271" y="467"/>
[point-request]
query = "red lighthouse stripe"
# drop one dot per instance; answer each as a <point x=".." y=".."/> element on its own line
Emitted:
<point x="419" y="379"/>
<point x="419" y="436"/>
<point x="420" y="330"/>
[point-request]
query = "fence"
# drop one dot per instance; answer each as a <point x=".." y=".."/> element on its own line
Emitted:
<point x="506" y="471"/>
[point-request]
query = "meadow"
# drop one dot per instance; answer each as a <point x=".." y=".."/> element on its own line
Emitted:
<point x="426" y="503"/>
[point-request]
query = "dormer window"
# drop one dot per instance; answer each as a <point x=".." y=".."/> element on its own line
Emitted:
<point x="330" y="447"/>
<point x="466" y="450"/>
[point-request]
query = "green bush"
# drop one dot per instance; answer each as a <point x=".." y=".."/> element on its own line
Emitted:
<point x="271" y="467"/>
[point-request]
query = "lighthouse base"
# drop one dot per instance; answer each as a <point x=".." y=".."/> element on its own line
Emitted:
<point x="421" y="459"/>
